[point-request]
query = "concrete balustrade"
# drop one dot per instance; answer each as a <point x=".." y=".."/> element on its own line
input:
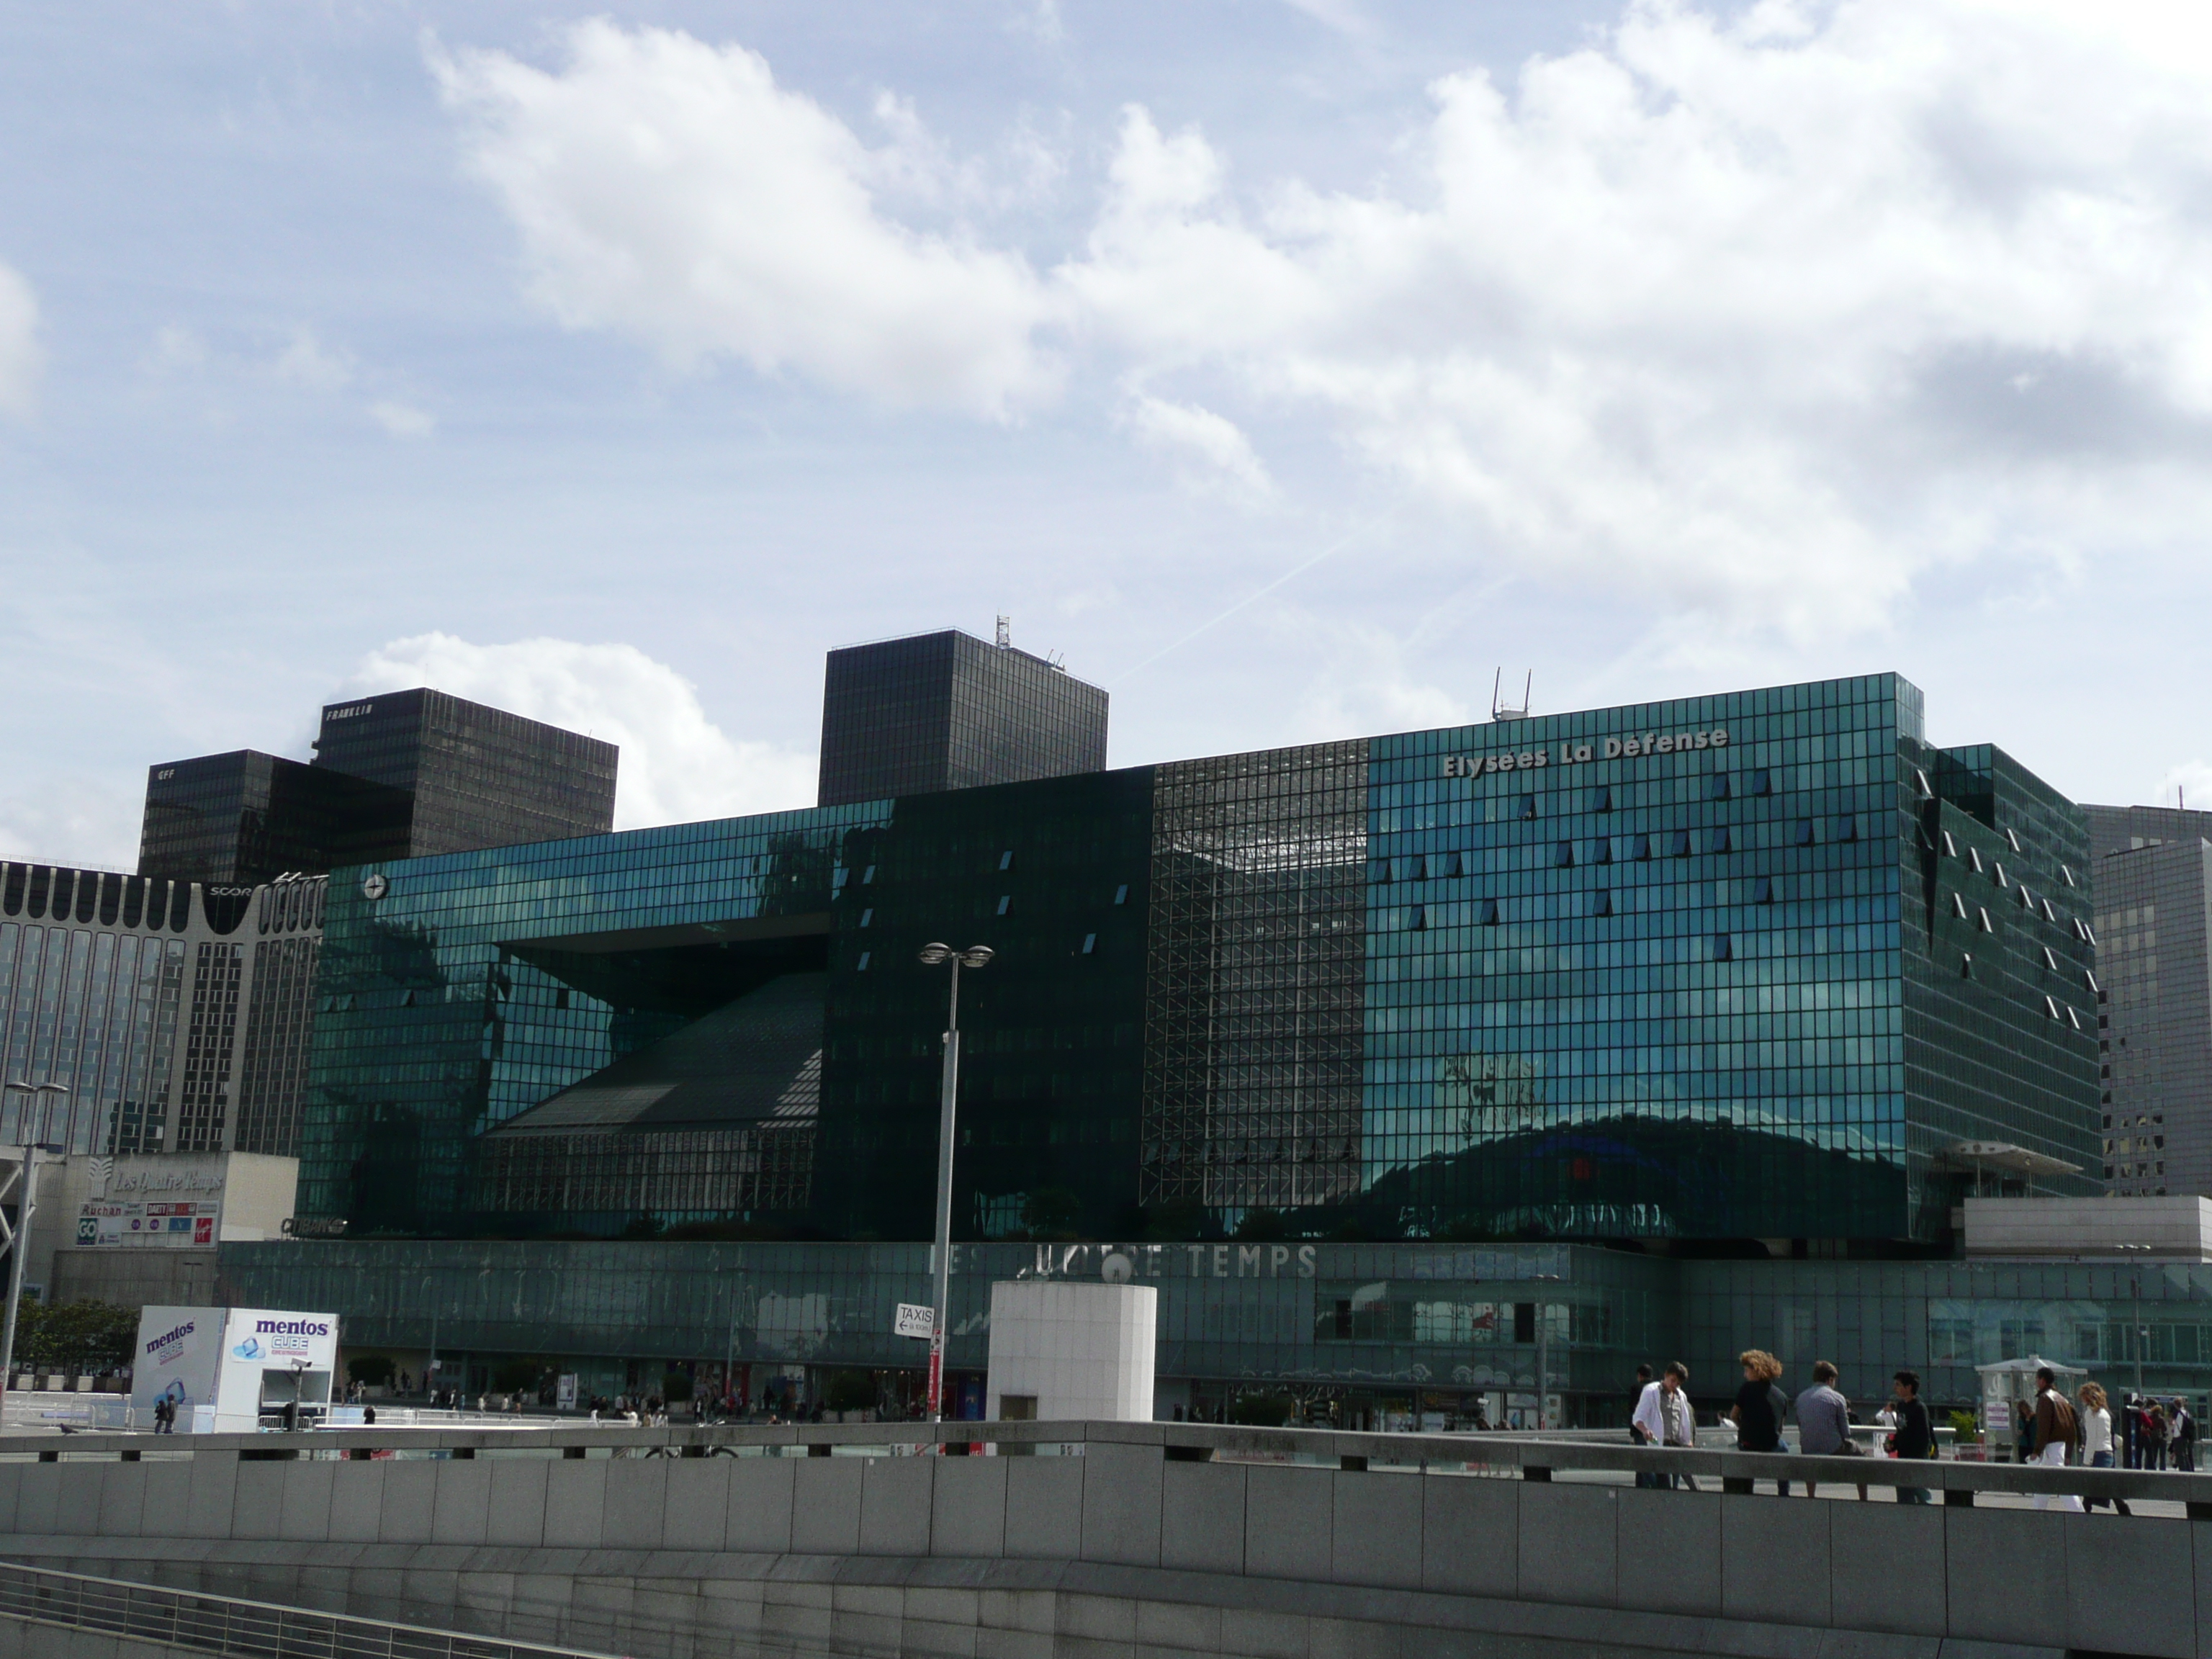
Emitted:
<point x="1166" y="1538"/>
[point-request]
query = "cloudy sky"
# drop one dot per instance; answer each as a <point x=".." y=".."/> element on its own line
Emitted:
<point x="1291" y="367"/>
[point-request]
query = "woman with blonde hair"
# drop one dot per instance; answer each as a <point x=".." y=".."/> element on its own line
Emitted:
<point x="1758" y="1408"/>
<point x="2097" y="1440"/>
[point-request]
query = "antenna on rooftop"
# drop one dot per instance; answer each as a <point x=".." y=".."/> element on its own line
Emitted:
<point x="1005" y="632"/>
<point x="1499" y="710"/>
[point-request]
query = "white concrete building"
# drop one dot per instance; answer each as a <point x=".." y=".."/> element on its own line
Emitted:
<point x="1062" y="1349"/>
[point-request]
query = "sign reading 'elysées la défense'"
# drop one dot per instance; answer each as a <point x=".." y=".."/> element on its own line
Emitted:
<point x="1570" y="753"/>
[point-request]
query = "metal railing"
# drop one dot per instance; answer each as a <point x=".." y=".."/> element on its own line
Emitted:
<point x="230" y="1625"/>
<point x="1503" y="1455"/>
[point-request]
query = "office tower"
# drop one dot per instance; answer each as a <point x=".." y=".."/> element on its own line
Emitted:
<point x="2153" y="876"/>
<point x="245" y="817"/>
<point x="478" y="776"/>
<point x="176" y="1014"/>
<point x="399" y="776"/>
<point x="1758" y="966"/>
<point x="945" y="711"/>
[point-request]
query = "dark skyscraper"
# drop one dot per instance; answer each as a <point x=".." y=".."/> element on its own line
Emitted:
<point x="479" y="776"/>
<point x="403" y="775"/>
<point x="2151" y="870"/>
<point x="245" y="817"/>
<point x="945" y="711"/>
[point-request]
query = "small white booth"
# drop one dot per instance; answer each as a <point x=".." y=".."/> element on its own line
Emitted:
<point x="232" y="1370"/>
<point x="2006" y="1387"/>
<point x="1063" y="1349"/>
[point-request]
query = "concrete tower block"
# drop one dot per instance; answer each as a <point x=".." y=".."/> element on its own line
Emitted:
<point x="1062" y="1351"/>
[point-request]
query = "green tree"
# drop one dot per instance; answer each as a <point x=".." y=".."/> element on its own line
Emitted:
<point x="80" y="1338"/>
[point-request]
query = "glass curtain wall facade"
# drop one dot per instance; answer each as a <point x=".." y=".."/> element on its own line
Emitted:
<point x="456" y="992"/>
<point x="174" y="1014"/>
<point x="1764" y="966"/>
<point x="1744" y="966"/>
<point x="1376" y="1329"/>
<point x="1255" y="947"/>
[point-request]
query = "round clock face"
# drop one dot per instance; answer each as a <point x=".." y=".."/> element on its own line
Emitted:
<point x="374" y="886"/>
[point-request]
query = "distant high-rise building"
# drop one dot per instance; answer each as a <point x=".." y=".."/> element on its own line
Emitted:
<point x="244" y="817"/>
<point x="2153" y="881"/>
<point x="402" y="775"/>
<point x="176" y="1014"/>
<point x="478" y="776"/>
<point x="940" y="711"/>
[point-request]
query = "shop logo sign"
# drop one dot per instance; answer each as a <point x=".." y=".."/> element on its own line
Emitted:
<point x="1571" y="753"/>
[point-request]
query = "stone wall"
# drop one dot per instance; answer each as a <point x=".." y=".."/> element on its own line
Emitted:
<point x="1115" y="1552"/>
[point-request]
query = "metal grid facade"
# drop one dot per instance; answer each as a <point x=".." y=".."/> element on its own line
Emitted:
<point x="703" y="1172"/>
<point x="1256" y="952"/>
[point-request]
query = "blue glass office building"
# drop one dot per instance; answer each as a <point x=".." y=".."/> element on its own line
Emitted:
<point x="1756" y="966"/>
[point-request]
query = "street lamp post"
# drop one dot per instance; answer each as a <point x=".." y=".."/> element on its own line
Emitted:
<point x="18" y="1237"/>
<point x="2139" y="1333"/>
<point x="974" y="957"/>
<point x="1543" y="1352"/>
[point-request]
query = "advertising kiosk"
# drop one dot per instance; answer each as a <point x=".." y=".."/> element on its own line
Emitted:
<point x="233" y="1371"/>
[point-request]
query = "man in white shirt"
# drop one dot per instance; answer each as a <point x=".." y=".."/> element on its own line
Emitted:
<point x="1664" y="1415"/>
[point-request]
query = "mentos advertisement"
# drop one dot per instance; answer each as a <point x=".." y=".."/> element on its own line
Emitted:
<point x="176" y="1360"/>
<point x="221" y="1367"/>
<point x="269" y="1356"/>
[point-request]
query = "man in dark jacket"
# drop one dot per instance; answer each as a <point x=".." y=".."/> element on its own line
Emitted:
<point x="2057" y="1429"/>
<point x="1915" y="1439"/>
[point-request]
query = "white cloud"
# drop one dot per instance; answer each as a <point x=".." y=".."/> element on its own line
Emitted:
<point x="1339" y="15"/>
<point x="19" y="344"/>
<point x="1758" y="317"/>
<point x="671" y="190"/>
<point x="1216" y="457"/>
<point x="308" y="363"/>
<point x="175" y="349"/>
<point x="403" y="419"/>
<point x="69" y="819"/>
<point x="677" y="766"/>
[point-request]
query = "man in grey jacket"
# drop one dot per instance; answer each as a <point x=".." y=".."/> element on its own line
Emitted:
<point x="1824" y="1420"/>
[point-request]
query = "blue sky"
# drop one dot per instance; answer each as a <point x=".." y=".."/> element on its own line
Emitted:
<point x="1289" y="369"/>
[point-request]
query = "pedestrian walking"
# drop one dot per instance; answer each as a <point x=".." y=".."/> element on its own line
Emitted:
<point x="1637" y="1434"/>
<point x="1824" y="1421"/>
<point x="2097" y="1440"/>
<point x="1914" y="1437"/>
<point x="2183" y="1430"/>
<point x="2156" y="1430"/>
<point x="2057" y="1430"/>
<point x="1757" y="1423"/>
<point x="1663" y="1413"/>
